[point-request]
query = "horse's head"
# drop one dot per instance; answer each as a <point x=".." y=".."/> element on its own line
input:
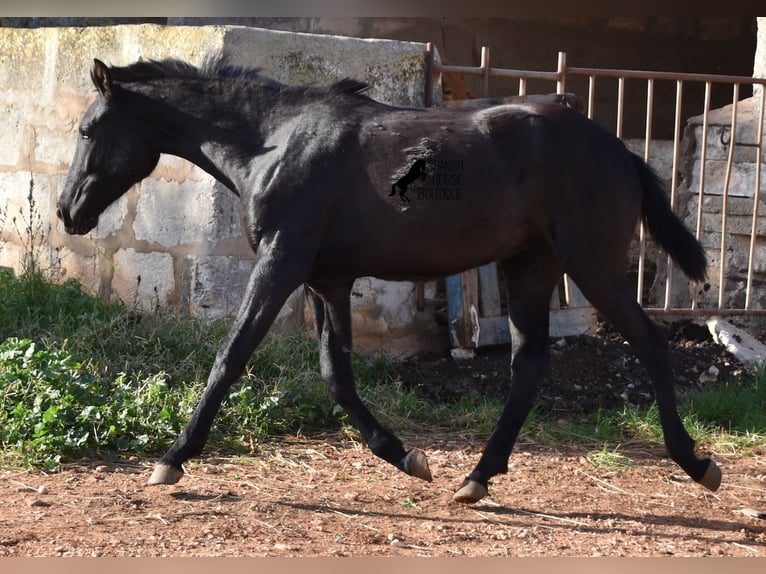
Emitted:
<point x="115" y="150"/>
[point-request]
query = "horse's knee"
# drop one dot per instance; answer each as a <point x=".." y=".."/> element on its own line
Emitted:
<point x="341" y="388"/>
<point x="530" y="362"/>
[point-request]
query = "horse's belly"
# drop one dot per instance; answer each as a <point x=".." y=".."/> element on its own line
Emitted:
<point x="420" y="249"/>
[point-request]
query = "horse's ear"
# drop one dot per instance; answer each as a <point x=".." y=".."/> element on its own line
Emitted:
<point x="102" y="78"/>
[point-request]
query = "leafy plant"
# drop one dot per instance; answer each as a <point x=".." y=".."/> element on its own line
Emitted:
<point x="53" y="407"/>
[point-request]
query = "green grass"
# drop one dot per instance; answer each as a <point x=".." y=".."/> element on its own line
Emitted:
<point x="609" y="458"/>
<point x="82" y="377"/>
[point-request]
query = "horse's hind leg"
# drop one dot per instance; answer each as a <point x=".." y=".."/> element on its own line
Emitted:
<point x="530" y="279"/>
<point x="335" y="364"/>
<point x="610" y="293"/>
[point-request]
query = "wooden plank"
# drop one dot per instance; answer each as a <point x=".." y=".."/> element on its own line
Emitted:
<point x="489" y="291"/>
<point x="575" y="298"/>
<point x="468" y="330"/>
<point x="572" y="322"/>
<point x="469" y="283"/>
<point x="494" y="331"/>
<point x="454" y="290"/>
<point x="563" y="323"/>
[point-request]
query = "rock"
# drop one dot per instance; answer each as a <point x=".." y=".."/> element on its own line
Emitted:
<point x="460" y="354"/>
<point x="709" y="376"/>
<point x="752" y="512"/>
<point x="737" y="341"/>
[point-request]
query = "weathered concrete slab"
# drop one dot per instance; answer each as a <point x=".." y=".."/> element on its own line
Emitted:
<point x="737" y="341"/>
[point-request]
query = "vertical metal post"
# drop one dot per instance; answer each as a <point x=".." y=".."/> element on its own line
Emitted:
<point x="756" y="201"/>
<point x="641" y="227"/>
<point x="674" y="182"/>
<point x="620" y="104"/>
<point x="428" y="97"/>
<point x="703" y="159"/>
<point x="485" y="70"/>
<point x="560" y="87"/>
<point x="428" y="101"/>
<point x="561" y="70"/>
<point x="591" y="95"/>
<point x="725" y="196"/>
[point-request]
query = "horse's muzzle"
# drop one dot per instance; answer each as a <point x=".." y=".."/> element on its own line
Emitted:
<point x="63" y="214"/>
<point x="72" y="228"/>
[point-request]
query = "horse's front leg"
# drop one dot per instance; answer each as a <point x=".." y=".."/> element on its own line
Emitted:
<point x="335" y="363"/>
<point x="274" y="277"/>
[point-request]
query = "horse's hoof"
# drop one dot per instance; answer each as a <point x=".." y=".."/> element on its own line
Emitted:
<point x="164" y="474"/>
<point x="416" y="464"/>
<point x="712" y="478"/>
<point x="470" y="492"/>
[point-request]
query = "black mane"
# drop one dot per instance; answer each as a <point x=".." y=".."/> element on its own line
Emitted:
<point x="216" y="68"/>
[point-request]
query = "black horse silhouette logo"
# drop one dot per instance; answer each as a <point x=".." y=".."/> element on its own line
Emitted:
<point x="417" y="171"/>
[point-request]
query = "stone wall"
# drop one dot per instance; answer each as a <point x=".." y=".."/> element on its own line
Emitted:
<point x="175" y="240"/>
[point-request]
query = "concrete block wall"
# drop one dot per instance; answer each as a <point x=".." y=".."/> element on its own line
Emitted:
<point x="175" y="240"/>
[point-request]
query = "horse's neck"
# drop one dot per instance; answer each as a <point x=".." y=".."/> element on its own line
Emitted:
<point x="208" y="131"/>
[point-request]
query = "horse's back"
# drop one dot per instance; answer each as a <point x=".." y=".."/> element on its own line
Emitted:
<point x="499" y="178"/>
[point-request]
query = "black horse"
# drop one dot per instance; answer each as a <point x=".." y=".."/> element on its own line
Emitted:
<point x="550" y="192"/>
<point x="417" y="171"/>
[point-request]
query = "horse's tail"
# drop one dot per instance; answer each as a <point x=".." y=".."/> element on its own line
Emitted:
<point x="665" y="226"/>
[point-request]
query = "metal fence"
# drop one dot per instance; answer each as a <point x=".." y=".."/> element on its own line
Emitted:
<point x="667" y="303"/>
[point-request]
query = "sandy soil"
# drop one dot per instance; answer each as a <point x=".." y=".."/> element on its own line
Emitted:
<point x="329" y="496"/>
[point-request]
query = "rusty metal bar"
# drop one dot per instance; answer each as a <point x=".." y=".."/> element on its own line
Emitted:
<point x="428" y="97"/>
<point x="675" y="76"/>
<point x="756" y="201"/>
<point x="674" y="182"/>
<point x="522" y="86"/>
<point x="597" y="72"/>
<point x="428" y="101"/>
<point x="561" y="80"/>
<point x="620" y="105"/>
<point x="703" y="160"/>
<point x="591" y="95"/>
<point x="684" y="312"/>
<point x="641" y="226"/>
<point x="486" y="70"/>
<point x="725" y="195"/>
<point x="561" y="73"/>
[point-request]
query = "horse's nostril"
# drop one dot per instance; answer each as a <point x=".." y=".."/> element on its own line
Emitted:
<point x="63" y="214"/>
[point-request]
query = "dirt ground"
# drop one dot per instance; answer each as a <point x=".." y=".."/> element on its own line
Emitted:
<point x="320" y="496"/>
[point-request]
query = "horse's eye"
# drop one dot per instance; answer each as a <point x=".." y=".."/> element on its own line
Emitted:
<point x="84" y="134"/>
